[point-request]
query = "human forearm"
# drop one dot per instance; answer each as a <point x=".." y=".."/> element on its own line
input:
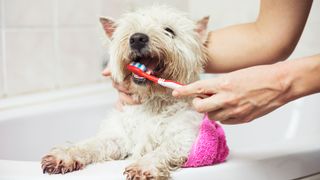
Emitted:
<point x="302" y="76"/>
<point x="235" y="47"/>
<point x="271" y="38"/>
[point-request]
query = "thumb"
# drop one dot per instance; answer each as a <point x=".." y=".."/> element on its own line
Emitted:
<point x="199" y="87"/>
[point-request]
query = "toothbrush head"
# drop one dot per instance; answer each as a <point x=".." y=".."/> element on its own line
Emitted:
<point x="139" y="65"/>
<point x="135" y="77"/>
<point x="141" y="73"/>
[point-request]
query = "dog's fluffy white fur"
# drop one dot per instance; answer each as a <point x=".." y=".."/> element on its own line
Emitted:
<point x="158" y="133"/>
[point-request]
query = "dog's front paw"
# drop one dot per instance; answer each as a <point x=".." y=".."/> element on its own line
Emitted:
<point x="59" y="162"/>
<point x="135" y="172"/>
<point x="148" y="172"/>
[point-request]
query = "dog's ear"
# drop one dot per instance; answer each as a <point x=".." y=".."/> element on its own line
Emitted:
<point x="201" y="28"/>
<point x="108" y="25"/>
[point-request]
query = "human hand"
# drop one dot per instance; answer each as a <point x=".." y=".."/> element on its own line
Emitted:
<point x="125" y="96"/>
<point x="239" y="96"/>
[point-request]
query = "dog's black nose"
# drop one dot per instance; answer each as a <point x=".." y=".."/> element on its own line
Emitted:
<point x="138" y="41"/>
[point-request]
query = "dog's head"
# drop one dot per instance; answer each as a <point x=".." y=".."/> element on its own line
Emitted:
<point x="163" y="39"/>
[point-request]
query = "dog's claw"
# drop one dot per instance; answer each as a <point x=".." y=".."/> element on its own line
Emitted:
<point x="136" y="173"/>
<point x="53" y="165"/>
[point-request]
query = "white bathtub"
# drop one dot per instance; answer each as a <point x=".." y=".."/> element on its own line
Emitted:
<point x="282" y="145"/>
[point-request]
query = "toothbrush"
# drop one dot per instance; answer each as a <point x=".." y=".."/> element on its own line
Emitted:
<point x="140" y="70"/>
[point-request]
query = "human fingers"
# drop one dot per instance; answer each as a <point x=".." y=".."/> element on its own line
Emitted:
<point x="231" y="121"/>
<point x="232" y="113"/>
<point x="220" y="114"/>
<point x="199" y="87"/>
<point x="208" y="104"/>
<point x="235" y="120"/>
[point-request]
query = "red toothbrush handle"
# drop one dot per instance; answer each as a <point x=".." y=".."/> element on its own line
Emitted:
<point x="139" y="72"/>
<point x="154" y="79"/>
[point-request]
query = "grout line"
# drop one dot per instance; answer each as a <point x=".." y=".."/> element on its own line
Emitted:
<point x="4" y="55"/>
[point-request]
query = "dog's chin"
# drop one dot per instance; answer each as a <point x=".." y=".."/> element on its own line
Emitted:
<point x="139" y="81"/>
<point x="154" y="64"/>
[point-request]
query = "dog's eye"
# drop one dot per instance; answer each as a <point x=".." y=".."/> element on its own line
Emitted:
<point x="169" y="30"/>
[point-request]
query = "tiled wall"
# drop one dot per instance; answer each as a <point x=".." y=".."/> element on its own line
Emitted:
<point x="49" y="44"/>
<point x="53" y="44"/>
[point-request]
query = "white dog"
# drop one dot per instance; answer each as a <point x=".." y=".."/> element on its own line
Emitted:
<point x="157" y="134"/>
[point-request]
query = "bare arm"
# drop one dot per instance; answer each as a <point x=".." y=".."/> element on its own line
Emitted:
<point x="271" y="38"/>
<point x="303" y="76"/>
<point x="243" y="95"/>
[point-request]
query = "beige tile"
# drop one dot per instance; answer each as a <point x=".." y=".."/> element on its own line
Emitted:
<point x="1" y="79"/>
<point x="178" y="4"/>
<point x="1" y="13"/>
<point x="19" y="13"/>
<point x="1" y="68"/>
<point x="80" y="57"/>
<point x="224" y="13"/>
<point x="315" y="13"/>
<point x="114" y="8"/>
<point x="30" y="61"/>
<point x="309" y="42"/>
<point x="78" y="12"/>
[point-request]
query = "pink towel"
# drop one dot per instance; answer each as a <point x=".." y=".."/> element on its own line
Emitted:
<point x="210" y="146"/>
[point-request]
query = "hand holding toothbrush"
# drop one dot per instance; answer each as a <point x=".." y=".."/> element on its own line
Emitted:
<point x="240" y="96"/>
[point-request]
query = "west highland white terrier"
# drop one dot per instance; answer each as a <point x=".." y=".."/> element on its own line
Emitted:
<point x="158" y="133"/>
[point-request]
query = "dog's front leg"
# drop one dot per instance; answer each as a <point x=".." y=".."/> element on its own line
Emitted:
<point x="158" y="163"/>
<point x="75" y="157"/>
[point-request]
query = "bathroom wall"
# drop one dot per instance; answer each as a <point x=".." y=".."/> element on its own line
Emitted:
<point x="52" y="44"/>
